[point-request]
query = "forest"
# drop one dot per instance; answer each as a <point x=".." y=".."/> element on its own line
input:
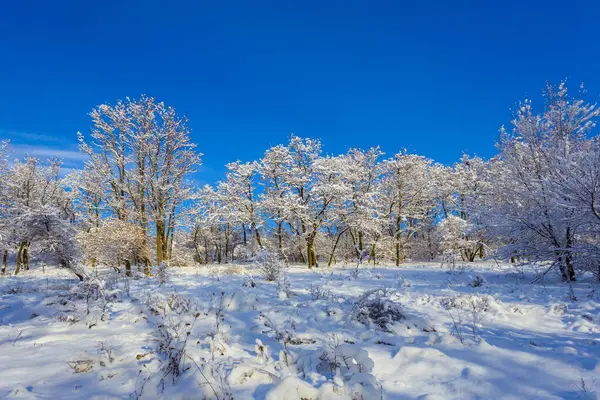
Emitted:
<point x="134" y="203"/>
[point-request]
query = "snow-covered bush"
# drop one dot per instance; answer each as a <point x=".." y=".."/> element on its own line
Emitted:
<point x="477" y="281"/>
<point x="249" y="282"/>
<point x="346" y="359"/>
<point x="284" y="286"/>
<point x="559" y="309"/>
<point x="175" y="317"/>
<point x="378" y="307"/>
<point x="161" y="273"/>
<point x="403" y="282"/>
<point x="319" y="292"/>
<point x="115" y="243"/>
<point x="470" y="303"/>
<point x="270" y="266"/>
<point x="284" y="334"/>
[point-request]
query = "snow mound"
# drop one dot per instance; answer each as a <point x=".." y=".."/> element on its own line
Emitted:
<point x="292" y="388"/>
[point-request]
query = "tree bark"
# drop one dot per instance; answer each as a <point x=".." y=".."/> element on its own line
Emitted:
<point x="279" y="234"/>
<point x="310" y="252"/>
<point x="569" y="257"/>
<point x="19" y="258"/>
<point x="226" y="249"/>
<point x="26" y="257"/>
<point x="127" y="267"/>
<point x="372" y="255"/>
<point x="337" y="240"/>
<point x="360" y="242"/>
<point x="4" y="260"/>
<point x="257" y="236"/>
<point x="160" y="231"/>
<point x="399" y="249"/>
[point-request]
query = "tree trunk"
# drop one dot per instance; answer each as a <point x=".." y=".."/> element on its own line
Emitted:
<point x="160" y="230"/>
<point x="331" y="255"/>
<point x="127" y="267"/>
<point x="198" y="255"/>
<point x="360" y="242"/>
<point x="257" y="236"/>
<point x="279" y="236"/>
<point x="66" y="264"/>
<point x="561" y="266"/>
<point x="472" y="255"/>
<point x="26" y="257"/>
<point x="302" y="258"/>
<point x="398" y="237"/>
<point x="310" y="252"/>
<point x="146" y="266"/>
<point x="399" y="253"/>
<point x="206" y="251"/>
<point x="19" y="258"/>
<point x="372" y="255"/>
<point x="170" y="238"/>
<point x="569" y="257"/>
<point x="4" y="259"/>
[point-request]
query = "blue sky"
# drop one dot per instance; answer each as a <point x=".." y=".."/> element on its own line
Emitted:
<point x="437" y="78"/>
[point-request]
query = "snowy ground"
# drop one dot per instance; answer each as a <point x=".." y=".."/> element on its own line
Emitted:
<point x="216" y="332"/>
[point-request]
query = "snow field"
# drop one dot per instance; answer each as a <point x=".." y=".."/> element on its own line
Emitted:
<point x="413" y="332"/>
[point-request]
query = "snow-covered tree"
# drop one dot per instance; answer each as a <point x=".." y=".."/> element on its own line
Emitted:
<point x="142" y="150"/>
<point x="4" y="203"/>
<point x="533" y="214"/>
<point x="53" y="234"/>
<point x="470" y="182"/>
<point x="29" y="187"/>
<point x="238" y="193"/>
<point x="274" y="170"/>
<point x="361" y="172"/>
<point x="406" y="199"/>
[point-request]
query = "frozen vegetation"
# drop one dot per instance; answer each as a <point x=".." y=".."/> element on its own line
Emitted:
<point x="415" y="332"/>
<point x="304" y="275"/>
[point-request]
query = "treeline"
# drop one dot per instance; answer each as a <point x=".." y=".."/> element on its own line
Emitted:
<point x="133" y="203"/>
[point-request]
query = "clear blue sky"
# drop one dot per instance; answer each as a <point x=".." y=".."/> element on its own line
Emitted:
<point x="437" y="78"/>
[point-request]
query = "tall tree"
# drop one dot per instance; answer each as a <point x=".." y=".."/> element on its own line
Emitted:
<point x="142" y="149"/>
<point x="537" y="220"/>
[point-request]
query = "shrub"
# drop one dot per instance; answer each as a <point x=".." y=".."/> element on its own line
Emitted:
<point x="378" y="307"/>
<point x="469" y="303"/>
<point x="478" y="281"/>
<point x="271" y="267"/>
<point x="319" y="292"/>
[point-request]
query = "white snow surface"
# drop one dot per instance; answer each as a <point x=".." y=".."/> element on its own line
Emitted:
<point x="310" y="336"/>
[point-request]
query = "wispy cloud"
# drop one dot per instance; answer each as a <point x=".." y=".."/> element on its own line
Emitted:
<point x="43" y="137"/>
<point x="74" y="156"/>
